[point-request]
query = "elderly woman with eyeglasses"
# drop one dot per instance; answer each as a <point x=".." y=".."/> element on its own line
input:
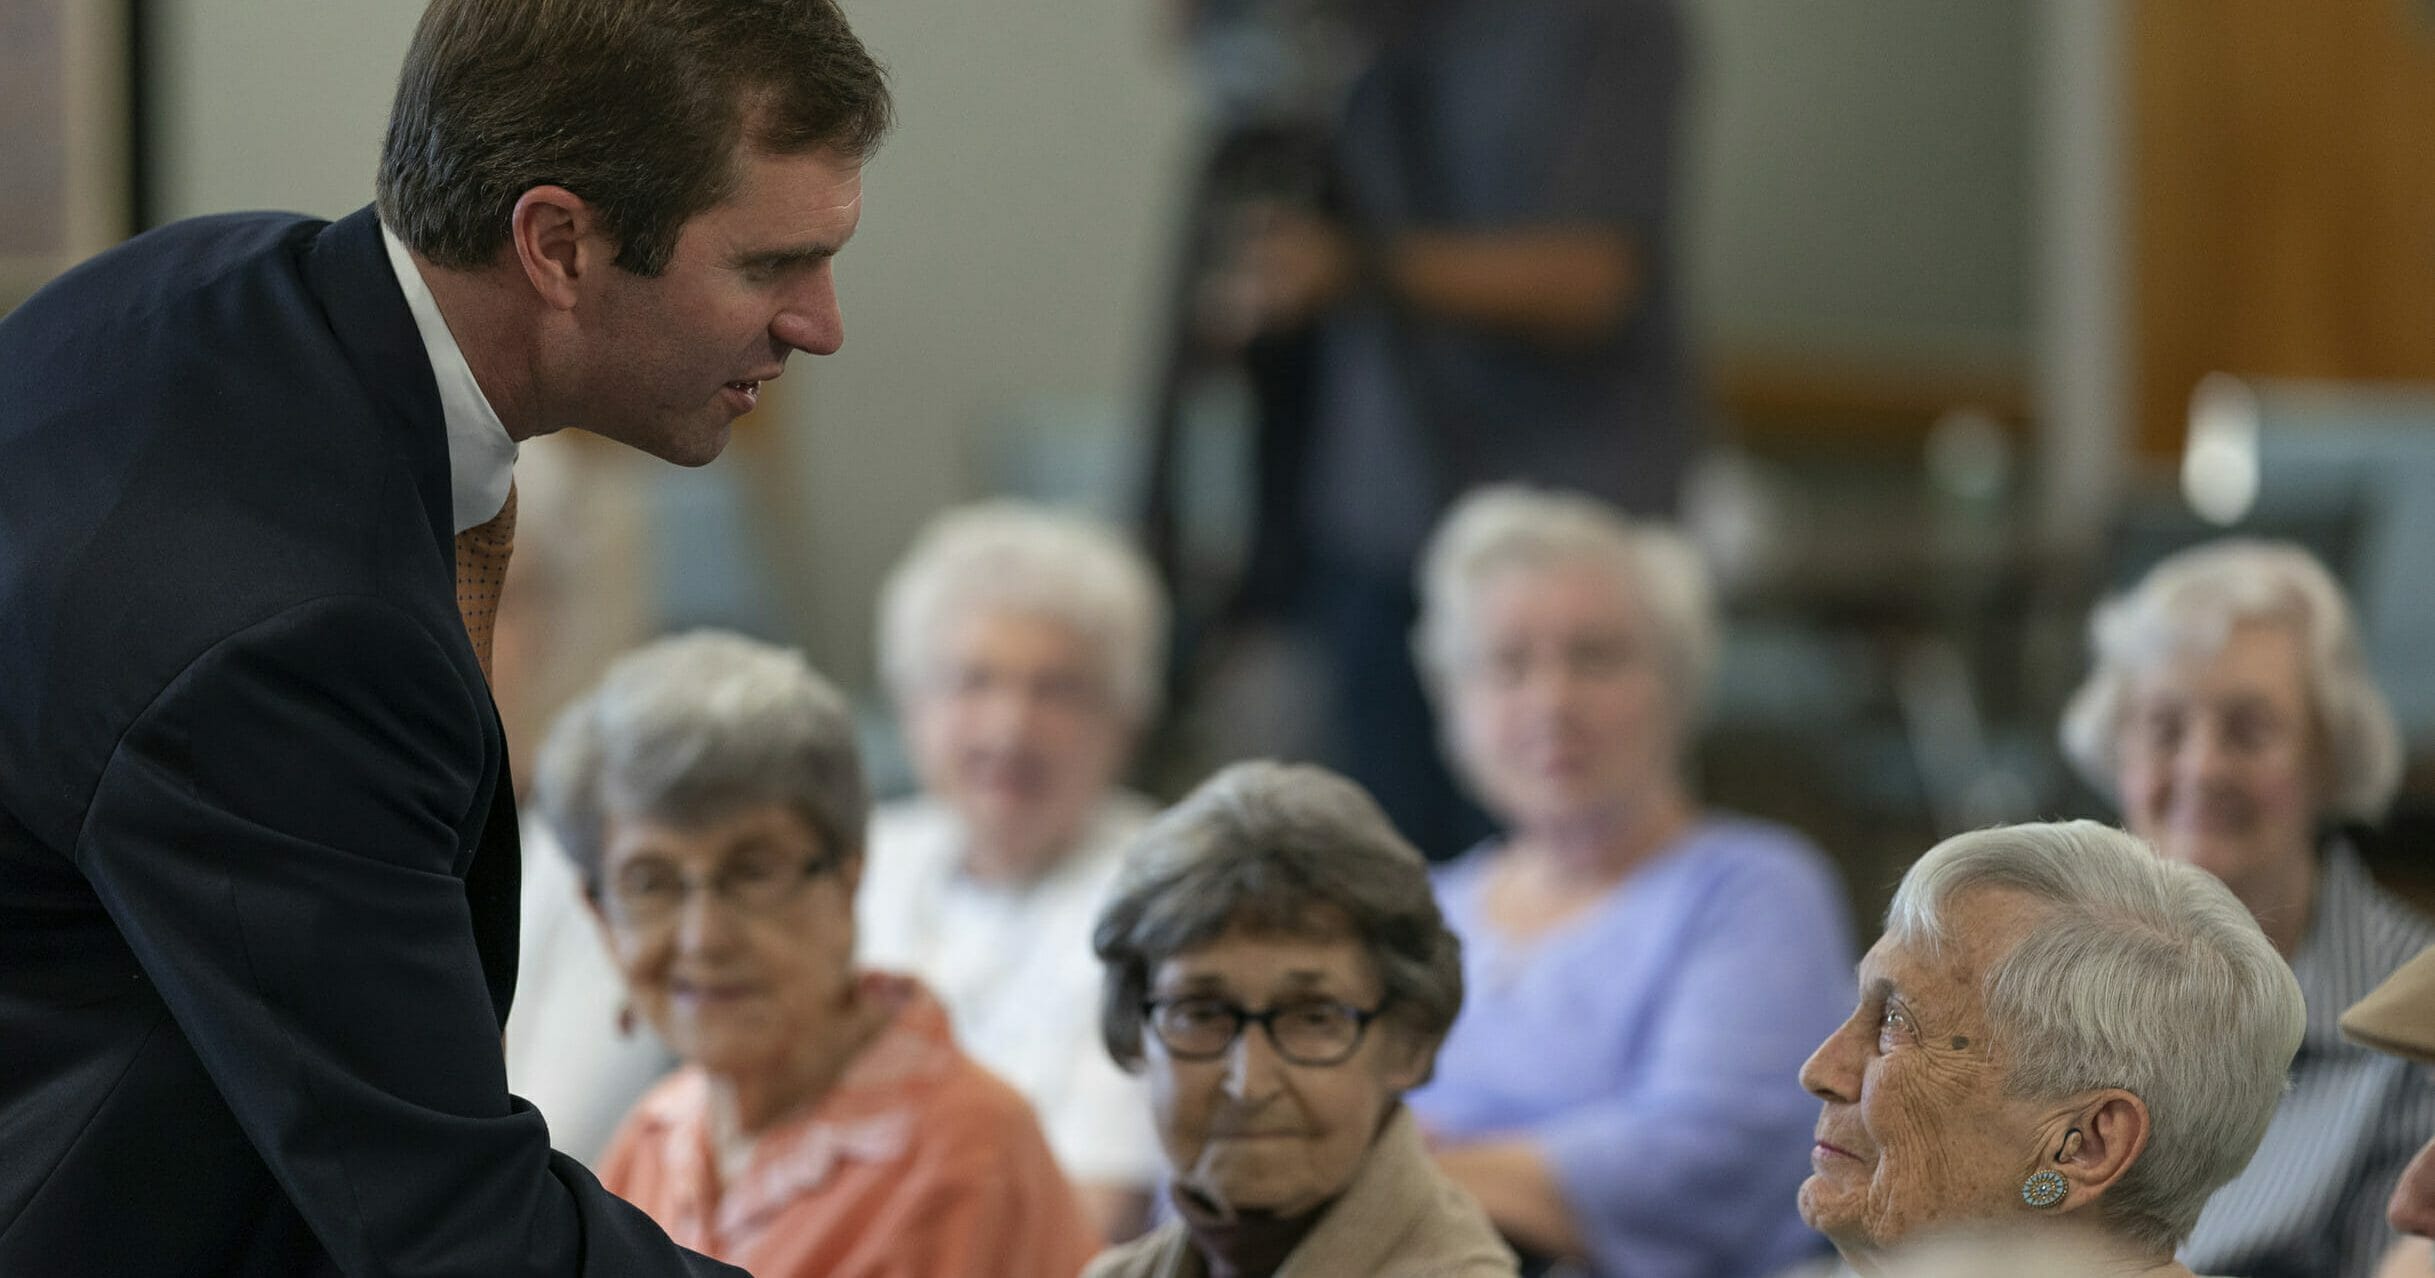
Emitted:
<point x="824" y="1121"/>
<point x="1277" y="968"/>
<point x="2060" y="1036"/>
<point x="2232" y="716"/>
<point x="1023" y="646"/>
<point x="1645" y="974"/>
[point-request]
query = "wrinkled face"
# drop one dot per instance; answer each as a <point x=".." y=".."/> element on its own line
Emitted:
<point x="1016" y="730"/>
<point x="668" y="362"/>
<point x="1562" y="711"/>
<point x="739" y="978"/>
<point x="2219" y="758"/>
<point x="1915" y="1131"/>
<point x="1250" y="1131"/>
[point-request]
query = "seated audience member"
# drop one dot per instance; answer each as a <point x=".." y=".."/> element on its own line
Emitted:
<point x="1645" y="976"/>
<point x="2059" y="1035"/>
<point x="1276" y="966"/>
<point x="824" y="1122"/>
<point x="1023" y="647"/>
<point x="2232" y="716"/>
<point x="2399" y="1017"/>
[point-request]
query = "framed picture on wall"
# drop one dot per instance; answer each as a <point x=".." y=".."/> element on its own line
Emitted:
<point x="67" y="136"/>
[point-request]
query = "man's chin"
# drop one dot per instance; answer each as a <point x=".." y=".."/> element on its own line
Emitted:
<point x="693" y="450"/>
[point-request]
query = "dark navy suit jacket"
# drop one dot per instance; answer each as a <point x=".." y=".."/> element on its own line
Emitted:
<point x="258" y="861"/>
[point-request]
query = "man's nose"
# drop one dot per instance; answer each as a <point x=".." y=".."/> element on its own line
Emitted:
<point x="811" y="321"/>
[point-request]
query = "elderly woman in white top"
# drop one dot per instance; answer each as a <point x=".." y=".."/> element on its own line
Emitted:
<point x="2231" y="714"/>
<point x="1024" y="648"/>
<point x="2059" y="1034"/>
<point x="1645" y="973"/>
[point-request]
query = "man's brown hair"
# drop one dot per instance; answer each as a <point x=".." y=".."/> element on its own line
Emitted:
<point x="642" y="107"/>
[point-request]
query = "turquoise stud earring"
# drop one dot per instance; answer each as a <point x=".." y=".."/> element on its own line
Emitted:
<point x="2044" y="1189"/>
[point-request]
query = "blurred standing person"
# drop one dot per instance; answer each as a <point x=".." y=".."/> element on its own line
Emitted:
<point x="1494" y="301"/>
<point x="1023" y="647"/>
<point x="1645" y="976"/>
<point x="2231" y="714"/>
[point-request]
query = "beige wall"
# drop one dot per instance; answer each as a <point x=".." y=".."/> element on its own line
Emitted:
<point x="1861" y="176"/>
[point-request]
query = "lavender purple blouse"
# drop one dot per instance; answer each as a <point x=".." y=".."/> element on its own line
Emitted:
<point x="1651" y="1046"/>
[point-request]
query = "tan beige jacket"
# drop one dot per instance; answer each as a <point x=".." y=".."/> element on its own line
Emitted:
<point x="1399" y="1219"/>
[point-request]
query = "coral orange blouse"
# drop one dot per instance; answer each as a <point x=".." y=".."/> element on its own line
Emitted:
<point x="917" y="1164"/>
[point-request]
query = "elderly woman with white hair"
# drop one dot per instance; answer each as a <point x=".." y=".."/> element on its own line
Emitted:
<point x="2231" y="714"/>
<point x="1024" y="648"/>
<point x="1277" y="968"/>
<point x="2060" y="1036"/>
<point x="824" y="1122"/>
<point x="1645" y="975"/>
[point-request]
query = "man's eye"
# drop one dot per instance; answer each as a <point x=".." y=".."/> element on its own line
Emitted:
<point x="1892" y="1023"/>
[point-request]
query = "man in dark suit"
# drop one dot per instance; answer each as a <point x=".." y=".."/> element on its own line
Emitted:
<point x="258" y="862"/>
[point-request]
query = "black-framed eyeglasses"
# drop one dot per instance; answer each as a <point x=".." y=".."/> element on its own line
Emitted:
<point x="1306" y="1032"/>
<point x="651" y="893"/>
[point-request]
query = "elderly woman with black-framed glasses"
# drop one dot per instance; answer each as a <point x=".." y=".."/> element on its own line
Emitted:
<point x="1276" y="964"/>
<point x="824" y="1121"/>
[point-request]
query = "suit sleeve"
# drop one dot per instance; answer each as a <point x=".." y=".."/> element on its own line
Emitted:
<point x="276" y="838"/>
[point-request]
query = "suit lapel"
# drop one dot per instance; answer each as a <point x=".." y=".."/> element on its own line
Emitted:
<point x="347" y="267"/>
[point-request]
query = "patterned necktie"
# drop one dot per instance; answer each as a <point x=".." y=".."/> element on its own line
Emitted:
<point x="482" y="552"/>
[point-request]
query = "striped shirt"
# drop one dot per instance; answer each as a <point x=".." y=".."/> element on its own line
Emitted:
<point x="2311" y="1204"/>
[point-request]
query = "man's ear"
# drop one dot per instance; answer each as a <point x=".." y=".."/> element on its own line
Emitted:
<point x="2106" y="1134"/>
<point x="558" y="240"/>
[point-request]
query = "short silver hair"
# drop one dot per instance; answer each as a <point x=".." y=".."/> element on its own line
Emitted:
<point x="2188" y="605"/>
<point x="1508" y="526"/>
<point x="2145" y="974"/>
<point x="1022" y="557"/>
<point x="1286" y="850"/>
<point x="695" y="728"/>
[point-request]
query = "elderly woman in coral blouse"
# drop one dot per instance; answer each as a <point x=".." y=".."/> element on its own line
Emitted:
<point x="824" y="1122"/>
<point x="2061" y="1040"/>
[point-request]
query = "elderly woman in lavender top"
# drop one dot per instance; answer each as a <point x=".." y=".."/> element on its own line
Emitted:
<point x="1645" y="976"/>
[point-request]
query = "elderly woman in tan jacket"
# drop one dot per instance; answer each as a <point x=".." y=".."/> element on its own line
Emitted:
<point x="1277" y="967"/>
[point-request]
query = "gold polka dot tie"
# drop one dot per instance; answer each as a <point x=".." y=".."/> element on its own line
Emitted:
<point x="482" y="552"/>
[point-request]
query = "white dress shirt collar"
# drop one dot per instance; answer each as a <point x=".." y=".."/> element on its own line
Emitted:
<point x="481" y="458"/>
